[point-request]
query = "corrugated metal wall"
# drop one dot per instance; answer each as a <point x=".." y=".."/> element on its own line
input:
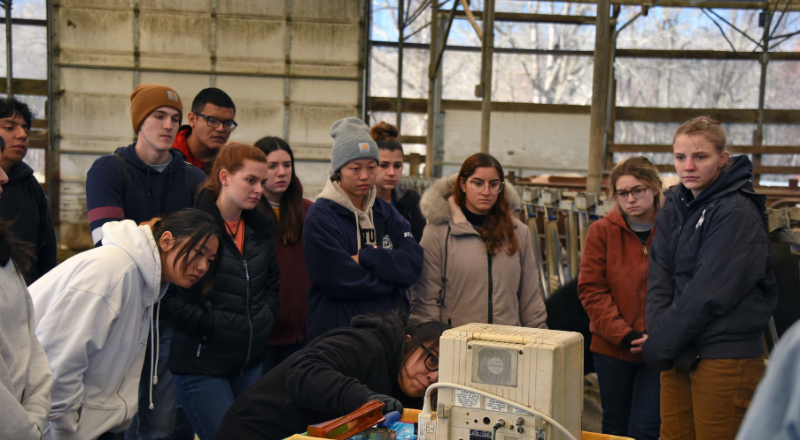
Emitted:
<point x="291" y="66"/>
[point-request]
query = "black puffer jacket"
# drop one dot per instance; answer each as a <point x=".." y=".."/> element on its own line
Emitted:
<point x="328" y="379"/>
<point x="227" y="330"/>
<point x="711" y="287"/>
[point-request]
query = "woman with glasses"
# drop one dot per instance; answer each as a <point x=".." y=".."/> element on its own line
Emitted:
<point x="612" y="286"/>
<point x="376" y="358"/>
<point x="711" y="288"/>
<point x="479" y="260"/>
<point x="390" y="170"/>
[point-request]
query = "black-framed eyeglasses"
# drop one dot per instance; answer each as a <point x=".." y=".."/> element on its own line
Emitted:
<point x="637" y="192"/>
<point x="216" y="122"/>
<point x="477" y="185"/>
<point x="431" y="361"/>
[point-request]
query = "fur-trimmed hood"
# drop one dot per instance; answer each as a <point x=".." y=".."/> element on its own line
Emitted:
<point x="436" y="208"/>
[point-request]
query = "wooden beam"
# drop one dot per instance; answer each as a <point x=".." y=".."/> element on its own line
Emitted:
<point x="756" y="170"/>
<point x="382" y="104"/>
<point x="27" y="22"/>
<point x="533" y="18"/>
<point x="26" y="86"/>
<point x="729" y="116"/>
<point x="703" y="54"/>
<point x="37" y="143"/>
<point x="411" y="139"/>
<point x="641" y="114"/>
<point x="620" y="53"/>
<point x="703" y="4"/>
<point x="739" y="149"/>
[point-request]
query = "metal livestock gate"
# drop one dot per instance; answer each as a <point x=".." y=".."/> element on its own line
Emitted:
<point x="292" y="67"/>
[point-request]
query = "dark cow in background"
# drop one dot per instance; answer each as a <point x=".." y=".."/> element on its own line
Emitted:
<point x="565" y="312"/>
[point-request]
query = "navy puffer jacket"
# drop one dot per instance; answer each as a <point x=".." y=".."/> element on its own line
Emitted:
<point x="227" y="330"/>
<point x="711" y="287"/>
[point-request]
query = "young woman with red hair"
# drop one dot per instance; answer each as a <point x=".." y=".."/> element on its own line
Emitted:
<point x="479" y="260"/>
<point x="221" y="336"/>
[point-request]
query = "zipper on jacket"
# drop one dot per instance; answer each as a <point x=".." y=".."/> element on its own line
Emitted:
<point x="644" y="248"/>
<point x="249" y="317"/>
<point x="491" y="305"/>
<point x="199" y="347"/>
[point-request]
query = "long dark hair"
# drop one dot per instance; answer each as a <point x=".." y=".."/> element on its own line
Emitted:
<point x="19" y="252"/>
<point x="425" y="335"/>
<point x="498" y="229"/>
<point x="196" y="227"/>
<point x="290" y="224"/>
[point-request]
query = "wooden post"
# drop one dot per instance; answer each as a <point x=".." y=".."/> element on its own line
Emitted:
<point x="599" y="96"/>
<point x="432" y="88"/>
<point x="758" y="134"/>
<point x="401" y="27"/>
<point x="414" y="160"/>
<point x="487" y="53"/>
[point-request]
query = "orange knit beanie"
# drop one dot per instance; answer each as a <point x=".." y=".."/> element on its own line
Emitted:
<point x="148" y="97"/>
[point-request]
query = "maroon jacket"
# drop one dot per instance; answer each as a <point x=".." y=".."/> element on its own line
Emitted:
<point x="612" y="284"/>
<point x="294" y="280"/>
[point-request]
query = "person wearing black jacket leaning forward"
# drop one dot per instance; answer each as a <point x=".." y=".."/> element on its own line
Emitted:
<point x="221" y="337"/>
<point x="377" y="358"/>
<point x="711" y="288"/>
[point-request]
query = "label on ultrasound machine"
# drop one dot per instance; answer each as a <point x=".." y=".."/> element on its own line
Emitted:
<point x="467" y="399"/>
<point x="496" y="405"/>
<point x="519" y="411"/>
<point x="474" y="434"/>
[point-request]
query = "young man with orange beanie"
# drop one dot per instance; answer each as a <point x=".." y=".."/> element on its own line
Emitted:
<point x="146" y="179"/>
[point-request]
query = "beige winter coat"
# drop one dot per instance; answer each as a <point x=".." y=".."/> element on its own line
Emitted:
<point x="479" y="288"/>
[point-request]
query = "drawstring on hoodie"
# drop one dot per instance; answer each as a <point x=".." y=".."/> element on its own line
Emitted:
<point x="155" y="349"/>
<point x="358" y="226"/>
<point x="148" y="181"/>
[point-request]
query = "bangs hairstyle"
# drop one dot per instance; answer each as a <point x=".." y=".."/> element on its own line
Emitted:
<point x="231" y="157"/>
<point x="12" y="107"/>
<point x="643" y="170"/>
<point x="385" y="135"/>
<point x="194" y="227"/>
<point x="426" y="335"/>
<point x="290" y="224"/>
<point x="498" y="229"/>
<point x="710" y="129"/>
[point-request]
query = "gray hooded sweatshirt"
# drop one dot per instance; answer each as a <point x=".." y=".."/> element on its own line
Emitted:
<point x="25" y="376"/>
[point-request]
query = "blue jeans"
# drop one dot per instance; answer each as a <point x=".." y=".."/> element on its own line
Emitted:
<point x="630" y="394"/>
<point x="156" y="423"/>
<point x="278" y="353"/>
<point x="205" y="399"/>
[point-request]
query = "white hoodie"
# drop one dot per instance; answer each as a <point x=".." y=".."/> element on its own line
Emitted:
<point x="93" y="315"/>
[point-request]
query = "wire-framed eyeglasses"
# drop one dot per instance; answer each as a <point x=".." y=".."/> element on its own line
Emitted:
<point x="478" y="185"/>
<point x="637" y="192"/>
<point x="431" y="360"/>
<point x="216" y="122"/>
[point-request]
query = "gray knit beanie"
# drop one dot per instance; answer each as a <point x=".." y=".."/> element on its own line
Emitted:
<point x="351" y="141"/>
